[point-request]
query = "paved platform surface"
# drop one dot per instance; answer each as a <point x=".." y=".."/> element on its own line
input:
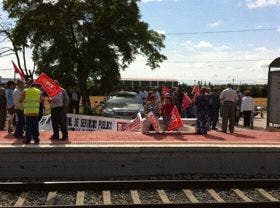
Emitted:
<point x="240" y="136"/>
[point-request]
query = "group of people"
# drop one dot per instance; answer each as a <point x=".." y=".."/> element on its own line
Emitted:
<point x="206" y="106"/>
<point x="230" y="103"/>
<point x="22" y="106"/>
<point x="23" y="103"/>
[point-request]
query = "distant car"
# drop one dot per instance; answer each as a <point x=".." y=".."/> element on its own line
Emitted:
<point x="122" y="104"/>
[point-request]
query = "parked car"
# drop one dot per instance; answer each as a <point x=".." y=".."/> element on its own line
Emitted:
<point x="122" y="104"/>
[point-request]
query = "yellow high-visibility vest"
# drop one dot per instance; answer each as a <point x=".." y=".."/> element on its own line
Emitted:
<point x="31" y="102"/>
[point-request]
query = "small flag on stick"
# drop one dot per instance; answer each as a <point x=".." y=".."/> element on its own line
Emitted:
<point x="175" y="120"/>
<point x="18" y="71"/>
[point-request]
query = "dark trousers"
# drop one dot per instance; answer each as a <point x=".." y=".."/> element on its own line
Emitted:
<point x="31" y="129"/>
<point x="247" y="117"/>
<point x="59" y="120"/>
<point x="74" y="106"/>
<point x="214" y="116"/>
<point x="20" y="122"/>
<point x="228" y="116"/>
<point x="41" y="111"/>
<point x="3" y="117"/>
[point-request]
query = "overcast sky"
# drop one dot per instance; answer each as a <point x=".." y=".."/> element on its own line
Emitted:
<point x="209" y="40"/>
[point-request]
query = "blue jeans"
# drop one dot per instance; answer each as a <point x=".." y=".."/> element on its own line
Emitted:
<point x="31" y="129"/>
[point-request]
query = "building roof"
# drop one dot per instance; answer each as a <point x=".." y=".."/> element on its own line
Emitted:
<point x="149" y="79"/>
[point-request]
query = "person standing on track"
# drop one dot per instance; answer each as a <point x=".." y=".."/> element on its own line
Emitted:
<point x="229" y="100"/>
<point x="31" y="98"/>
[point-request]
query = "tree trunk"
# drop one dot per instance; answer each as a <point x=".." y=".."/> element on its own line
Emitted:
<point x="84" y="92"/>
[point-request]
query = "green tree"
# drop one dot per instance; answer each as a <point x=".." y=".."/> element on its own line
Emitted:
<point x="78" y="41"/>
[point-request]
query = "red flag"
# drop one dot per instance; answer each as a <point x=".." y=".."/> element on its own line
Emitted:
<point x="153" y="121"/>
<point x="135" y="124"/>
<point x="50" y="87"/>
<point x="186" y="102"/>
<point x="175" y="120"/>
<point x="18" y="71"/>
<point x="195" y="91"/>
<point x="164" y="90"/>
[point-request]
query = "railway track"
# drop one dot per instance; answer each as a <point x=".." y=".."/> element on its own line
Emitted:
<point x="152" y="193"/>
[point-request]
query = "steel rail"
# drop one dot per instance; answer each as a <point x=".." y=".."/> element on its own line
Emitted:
<point x="137" y="184"/>
<point x="177" y="205"/>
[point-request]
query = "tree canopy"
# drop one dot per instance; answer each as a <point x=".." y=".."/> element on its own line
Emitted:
<point x="77" y="41"/>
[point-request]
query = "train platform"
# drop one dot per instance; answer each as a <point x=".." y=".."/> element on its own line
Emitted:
<point x="240" y="136"/>
<point x="105" y="155"/>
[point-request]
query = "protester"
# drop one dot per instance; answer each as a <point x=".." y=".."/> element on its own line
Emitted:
<point x="202" y="110"/>
<point x="228" y="99"/>
<point x="42" y="104"/>
<point x="143" y="94"/>
<point x="247" y="108"/>
<point x="75" y="97"/>
<point x="150" y="106"/>
<point x="178" y="95"/>
<point x="58" y="115"/>
<point x="3" y="109"/>
<point x="214" y="106"/>
<point x="158" y="95"/>
<point x="238" y="107"/>
<point x="166" y="110"/>
<point x="19" y="114"/>
<point x="31" y="98"/>
<point x="10" y="104"/>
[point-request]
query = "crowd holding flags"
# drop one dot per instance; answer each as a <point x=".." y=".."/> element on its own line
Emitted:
<point x="52" y="89"/>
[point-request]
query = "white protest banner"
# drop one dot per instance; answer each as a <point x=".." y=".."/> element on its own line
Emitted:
<point x="76" y="122"/>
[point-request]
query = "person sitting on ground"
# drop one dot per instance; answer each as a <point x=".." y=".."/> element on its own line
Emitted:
<point x="166" y="110"/>
<point x="150" y="106"/>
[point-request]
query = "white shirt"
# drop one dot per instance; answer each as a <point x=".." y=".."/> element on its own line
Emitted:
<point x="247" y="104"/>
<point x="17" y="95"/>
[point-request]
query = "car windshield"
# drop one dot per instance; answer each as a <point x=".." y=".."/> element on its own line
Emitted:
<point x="124" y="98"/>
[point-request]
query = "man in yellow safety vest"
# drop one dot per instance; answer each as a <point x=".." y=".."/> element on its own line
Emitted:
<point x="31" y="98"/>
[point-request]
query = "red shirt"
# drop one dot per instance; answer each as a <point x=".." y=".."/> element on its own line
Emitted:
<point x="166" y="109"/>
